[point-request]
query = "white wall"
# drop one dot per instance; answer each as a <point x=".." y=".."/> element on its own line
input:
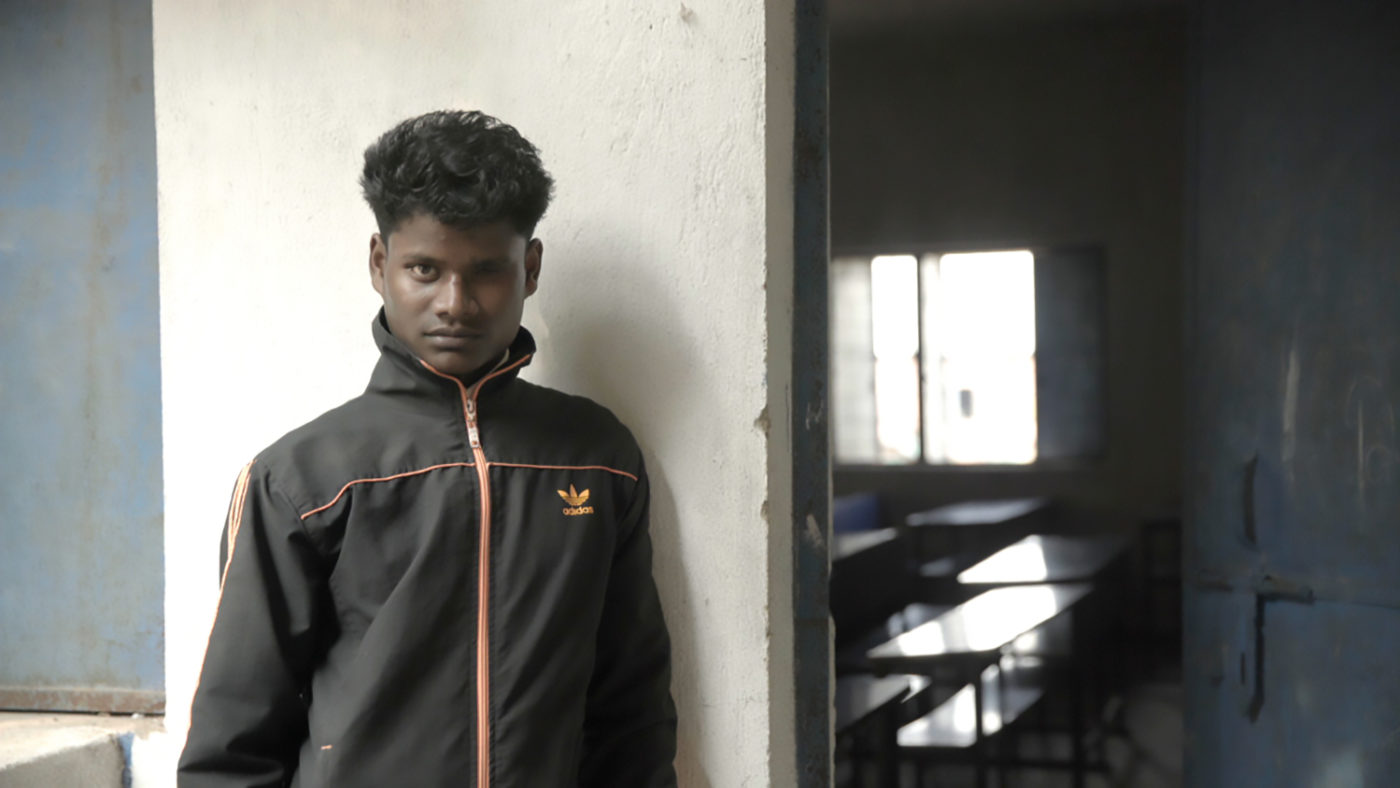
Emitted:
<point x="663" y="124"/>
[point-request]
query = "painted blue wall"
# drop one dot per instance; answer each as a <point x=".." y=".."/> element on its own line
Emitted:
<point x="81" y="569"/>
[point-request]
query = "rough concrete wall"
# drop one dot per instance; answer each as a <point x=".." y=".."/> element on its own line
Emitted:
<point x="1068" y="133"/>
<point x="90" y="757"/>
<point x="80" y="518"/>
<point x="658" y="249"/>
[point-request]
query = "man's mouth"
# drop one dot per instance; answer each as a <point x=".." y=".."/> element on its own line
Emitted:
<point x="452" y="337"/>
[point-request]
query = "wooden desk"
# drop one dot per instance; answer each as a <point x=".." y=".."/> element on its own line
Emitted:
<point x="870" y="581"/>
<point x="1047" y="559"/>
<point x="975" y="527"/>
<point x="852" y="647"/>
<point x="968" y="639"/>
<point x="967" y="513"/>
<point x="848" y="544"/>
<point x="866" y="700"/>
<point x="977" y="630"/>
<point x="858" y="698"/>
<point x="1094" y="654"/>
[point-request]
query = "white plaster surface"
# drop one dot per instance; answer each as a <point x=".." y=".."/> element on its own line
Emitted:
<point x="672" y="216"/>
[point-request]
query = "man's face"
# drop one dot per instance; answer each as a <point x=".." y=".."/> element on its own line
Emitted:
<point x="454" y="296"/>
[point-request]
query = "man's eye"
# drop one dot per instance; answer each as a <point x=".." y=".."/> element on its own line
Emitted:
<point x="421" y="269"/>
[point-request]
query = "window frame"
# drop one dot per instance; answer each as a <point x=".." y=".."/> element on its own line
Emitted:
<point x="1041" y="464"/>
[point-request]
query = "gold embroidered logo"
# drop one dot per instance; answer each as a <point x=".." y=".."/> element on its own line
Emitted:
<point x="575" y="501"/>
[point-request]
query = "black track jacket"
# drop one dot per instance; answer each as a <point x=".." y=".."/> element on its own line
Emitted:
<point x="438" y="584"/>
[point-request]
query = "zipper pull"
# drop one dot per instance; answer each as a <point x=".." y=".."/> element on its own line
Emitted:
<point x="472" y="434"/>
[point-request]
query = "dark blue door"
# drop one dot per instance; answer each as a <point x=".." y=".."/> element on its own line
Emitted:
<point x="1293" y="520"/>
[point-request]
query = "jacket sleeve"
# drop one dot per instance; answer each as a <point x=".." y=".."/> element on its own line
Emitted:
<point x="629" y="736"/>
<point x="248" y="718"/>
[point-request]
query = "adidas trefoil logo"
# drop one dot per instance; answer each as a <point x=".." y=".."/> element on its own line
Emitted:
<point x="575" y="501"/>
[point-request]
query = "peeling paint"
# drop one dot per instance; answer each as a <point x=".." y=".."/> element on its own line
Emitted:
<point x="814" y="533"/>
<point x="1370" y="411"/>
<point x="761" y="423"/>
<point x="1290" y="411"/>
<point x="1341" y="770"/>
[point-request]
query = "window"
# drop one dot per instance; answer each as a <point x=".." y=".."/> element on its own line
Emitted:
<point x="969" y="358"/>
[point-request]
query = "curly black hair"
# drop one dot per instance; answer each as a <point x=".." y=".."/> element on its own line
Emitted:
<point x="464" y="169"/>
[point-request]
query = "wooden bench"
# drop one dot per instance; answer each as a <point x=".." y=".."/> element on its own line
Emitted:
<point x="998" y="699"/>
<point x="1008" y="691"/>
<point x="968" y="640"/>
<point x="869" y="705"/>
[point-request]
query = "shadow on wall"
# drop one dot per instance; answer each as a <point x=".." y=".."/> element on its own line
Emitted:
<point x="628" y="357"/>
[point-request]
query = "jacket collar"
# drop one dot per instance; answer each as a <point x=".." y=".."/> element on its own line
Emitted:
<point x="401" y="371"/>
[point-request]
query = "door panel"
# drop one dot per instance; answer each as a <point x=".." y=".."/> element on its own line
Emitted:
<point x="1328" y="709"/>
<point x="1293" y="511"/>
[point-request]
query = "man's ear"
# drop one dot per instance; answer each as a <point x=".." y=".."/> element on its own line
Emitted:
<point x="534" y="256"/>
<point x="378" y="257"/>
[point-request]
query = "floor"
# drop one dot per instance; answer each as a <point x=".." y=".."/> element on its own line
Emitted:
<point x="1149" y="755"/>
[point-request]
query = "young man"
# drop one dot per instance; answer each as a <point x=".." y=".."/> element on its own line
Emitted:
<point x="446" y="581"/>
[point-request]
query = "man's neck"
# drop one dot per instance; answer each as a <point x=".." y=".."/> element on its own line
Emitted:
<point x="471" y="378"/>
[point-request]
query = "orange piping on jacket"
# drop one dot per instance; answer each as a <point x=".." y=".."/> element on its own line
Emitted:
<point x="235" y="517"/>
<point x="631" y="476"/>
<point x="354" y="482"/>
<point x="483" y="571"/>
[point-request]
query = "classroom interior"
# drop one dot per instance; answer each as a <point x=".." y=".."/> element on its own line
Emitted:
<point x="1007" y="220"/>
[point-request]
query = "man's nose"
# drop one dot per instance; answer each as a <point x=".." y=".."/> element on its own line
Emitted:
<point x="454" y="298"/>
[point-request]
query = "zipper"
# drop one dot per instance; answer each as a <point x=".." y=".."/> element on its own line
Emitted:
<point x="473" y="435"/>
<point x="483" y="570"/>
<point x="483" y="597"/>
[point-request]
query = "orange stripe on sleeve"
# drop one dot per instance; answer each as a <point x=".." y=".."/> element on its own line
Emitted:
<point x="354" y="482"/>
<point x="235" y="515"/>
